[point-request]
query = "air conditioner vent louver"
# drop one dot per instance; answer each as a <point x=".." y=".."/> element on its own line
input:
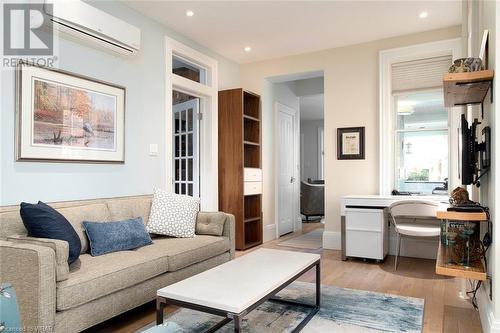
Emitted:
<point x="91" y="24"/>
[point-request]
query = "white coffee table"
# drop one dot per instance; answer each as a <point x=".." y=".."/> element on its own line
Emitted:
<point x="237" y="287"/>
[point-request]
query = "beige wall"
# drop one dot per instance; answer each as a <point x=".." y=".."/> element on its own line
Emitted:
<point x="351" y="99"/>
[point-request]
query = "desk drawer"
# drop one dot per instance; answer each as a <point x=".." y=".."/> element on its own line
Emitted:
<point x="250" y="188"/>
<point x="361" y="219"/>
<point x="365" y="244"/>
<point x="252" y="175"/>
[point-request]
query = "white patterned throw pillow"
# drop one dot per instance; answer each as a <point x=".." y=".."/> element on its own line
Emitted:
<point x="173" y="214"/>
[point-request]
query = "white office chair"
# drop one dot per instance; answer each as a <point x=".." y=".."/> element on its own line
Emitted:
<point x="416" y="210"/>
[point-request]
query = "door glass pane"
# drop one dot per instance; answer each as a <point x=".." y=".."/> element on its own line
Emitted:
<point x="186" y="136"/>
<point x="190" y="119"/>
<point x="190" y="169"/>
<point x="189" y="70"/>
<point x="190" y="145"/>
<point x="177" y="127"/>
<point x="177" y="145"/>
<point x="183" y="145"/>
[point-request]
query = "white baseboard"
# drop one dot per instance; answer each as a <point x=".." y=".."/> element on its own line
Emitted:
<point x="269" y="232"/>
<point x="488" y="321"/>
<point x="332" y="240"/>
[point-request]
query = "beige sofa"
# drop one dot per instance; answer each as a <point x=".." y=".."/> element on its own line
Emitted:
<point x="94" y="289"/>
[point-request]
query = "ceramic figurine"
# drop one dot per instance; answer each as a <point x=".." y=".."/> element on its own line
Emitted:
<point x="463" y="65"/>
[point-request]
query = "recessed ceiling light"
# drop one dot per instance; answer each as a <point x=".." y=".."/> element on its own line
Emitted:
<point x="189" y="13"/>
<point x="423" y="15"/>
<point x="247" y="49"/>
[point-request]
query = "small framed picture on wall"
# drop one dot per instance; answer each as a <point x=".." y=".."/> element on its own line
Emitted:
<point x="351" y="143"/>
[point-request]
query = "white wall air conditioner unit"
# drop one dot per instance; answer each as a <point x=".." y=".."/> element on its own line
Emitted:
<point x="86" y="22"/>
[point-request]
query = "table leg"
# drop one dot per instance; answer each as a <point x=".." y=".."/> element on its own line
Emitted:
<point x="318" y="284"/>
<point x="237" y="324"/>
<point x="160" y="306"/>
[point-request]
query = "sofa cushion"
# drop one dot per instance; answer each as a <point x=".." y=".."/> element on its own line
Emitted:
<point x="77" y="214"/>
<point x="99" y="276"/>
<point x="210" y="223"/>
<point x="103" y="275"/>
<point x="122" y="209"/>
<point x="183" y="252"/>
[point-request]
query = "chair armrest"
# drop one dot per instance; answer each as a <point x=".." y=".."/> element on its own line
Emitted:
<point x="31" y="269"/>
<point x="60" y="247"/>
<point x="229" y="232"/>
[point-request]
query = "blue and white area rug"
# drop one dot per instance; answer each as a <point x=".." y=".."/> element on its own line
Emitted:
<point x="342" y="311"/>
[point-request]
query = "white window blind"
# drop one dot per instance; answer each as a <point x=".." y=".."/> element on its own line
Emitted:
<point x="419" y="74"/>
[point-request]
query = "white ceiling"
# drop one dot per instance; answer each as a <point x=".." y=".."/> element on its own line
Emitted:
<point x="280" y="28"/>
<point x="311" y="107"/>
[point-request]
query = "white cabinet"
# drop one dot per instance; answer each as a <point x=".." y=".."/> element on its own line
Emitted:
<point x="252" y="175"/>
<point x="251" y="188"/>
<point x="366" y="233"/>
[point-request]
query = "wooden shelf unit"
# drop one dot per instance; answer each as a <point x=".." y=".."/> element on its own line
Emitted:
<point x="239" y="148"/>
<point x="461" y="216"/>
<point x="466" y="88"/>
<point x="475" y="271"/>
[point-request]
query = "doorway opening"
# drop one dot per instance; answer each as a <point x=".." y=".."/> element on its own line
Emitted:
<point x="299" y="156"/>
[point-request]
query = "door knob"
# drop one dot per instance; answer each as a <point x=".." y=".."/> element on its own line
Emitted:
<point x="292" y="179"/>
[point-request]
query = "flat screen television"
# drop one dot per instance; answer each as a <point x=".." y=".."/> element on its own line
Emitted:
<point x="474" y="156"/>
<point x="466" y="151"/>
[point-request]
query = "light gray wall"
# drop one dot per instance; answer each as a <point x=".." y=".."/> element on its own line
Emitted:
<point x="144" y="78"/>
<point x="309" y="148"/>
<point x="284" y="93"/>
<point x="307" y="87"/>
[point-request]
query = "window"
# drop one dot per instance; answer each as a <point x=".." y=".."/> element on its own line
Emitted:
<point x="189" y="70"/>
<point x="421" y="142"/>
<point x="191" y="126"/>
<point x="418" y="135"/>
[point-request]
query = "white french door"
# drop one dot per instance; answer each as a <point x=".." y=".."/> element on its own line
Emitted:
<point x="286" y="169"/>
<point x="186" y="147"/>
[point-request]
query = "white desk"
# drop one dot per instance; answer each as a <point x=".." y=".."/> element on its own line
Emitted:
<point x="365" y="224"/>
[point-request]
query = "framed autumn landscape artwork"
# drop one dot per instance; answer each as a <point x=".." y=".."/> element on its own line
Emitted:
<point x="67" y="117"/>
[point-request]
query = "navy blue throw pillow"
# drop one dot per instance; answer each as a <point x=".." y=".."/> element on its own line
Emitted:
<point x="107" y="237"/>
<point x="43" y="221"/>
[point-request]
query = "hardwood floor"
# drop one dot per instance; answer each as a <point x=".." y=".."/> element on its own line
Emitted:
<point x="444" y="312"/>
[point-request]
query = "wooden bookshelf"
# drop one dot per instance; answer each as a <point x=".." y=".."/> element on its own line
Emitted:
<point x="239" y="148"/>
<point x="466" y="88"/>
<point x="475" y="271"/>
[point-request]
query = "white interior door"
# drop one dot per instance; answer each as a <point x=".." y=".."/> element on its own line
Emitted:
<point x="186" y="144"/>
<point x="286" y="170"/>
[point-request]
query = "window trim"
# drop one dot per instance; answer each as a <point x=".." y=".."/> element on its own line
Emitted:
<point x="386" y="117"/>
<point x="208" y="137"/>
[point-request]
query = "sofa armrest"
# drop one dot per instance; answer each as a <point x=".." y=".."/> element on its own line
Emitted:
<point x="60" y="247"/>
<point x="229" y="232"/>
<point x="31" y="269"/>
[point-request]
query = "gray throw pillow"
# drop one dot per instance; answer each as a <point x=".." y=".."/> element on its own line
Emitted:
<point x="210" y="223"/>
